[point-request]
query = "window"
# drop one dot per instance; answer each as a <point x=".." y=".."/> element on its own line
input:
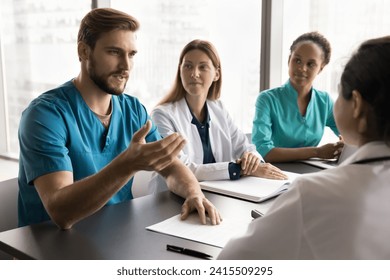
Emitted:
<point x="37" y="52"/>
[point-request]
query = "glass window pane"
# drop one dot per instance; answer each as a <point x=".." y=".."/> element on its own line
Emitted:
<point x="39" y="52"/>
<point x="167" y="26"/>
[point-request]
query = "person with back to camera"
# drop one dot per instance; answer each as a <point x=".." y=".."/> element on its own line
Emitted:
<point x="289" y="120"/>
<point x="216" y="148"/>
<point x="339" y="213"/>
<point x="82" y="143"/>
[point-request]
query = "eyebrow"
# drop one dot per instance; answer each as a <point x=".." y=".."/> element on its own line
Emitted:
<point x="119" y="49"/>
<point x="202" y="62"/>
<point x="310" y="59"/>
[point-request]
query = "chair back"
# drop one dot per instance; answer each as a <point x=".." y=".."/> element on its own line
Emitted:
<point x="8" y="207"/>
<point x="141" y="182"/>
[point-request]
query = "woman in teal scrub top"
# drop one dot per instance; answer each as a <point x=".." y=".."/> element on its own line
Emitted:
<point x="290" y="120"/>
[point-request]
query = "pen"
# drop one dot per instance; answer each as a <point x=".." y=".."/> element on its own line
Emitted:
<point x="188" y="252"/>
<point x="256" y="214"/>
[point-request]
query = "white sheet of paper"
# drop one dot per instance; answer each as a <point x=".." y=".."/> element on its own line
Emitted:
<point x="192" y="229"/>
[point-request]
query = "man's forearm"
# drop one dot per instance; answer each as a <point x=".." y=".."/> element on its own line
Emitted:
<point x="181" y="180"/>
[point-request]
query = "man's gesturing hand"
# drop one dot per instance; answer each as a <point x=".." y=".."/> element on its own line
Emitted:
<point x="155" y="155"/>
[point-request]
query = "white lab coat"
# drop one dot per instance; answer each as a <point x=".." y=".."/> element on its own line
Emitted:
<point x="340" y="213"/>
<point x="228" y="143"/>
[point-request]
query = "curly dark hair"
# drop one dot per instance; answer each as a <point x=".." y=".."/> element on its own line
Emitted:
<point x="316" y="38"/>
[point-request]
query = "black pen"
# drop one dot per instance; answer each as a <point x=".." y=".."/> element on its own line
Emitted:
<point x="188" y="252"/>
<point x="256" y="214"/>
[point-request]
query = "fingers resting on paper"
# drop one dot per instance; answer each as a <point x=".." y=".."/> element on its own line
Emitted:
<point x="204" y="208"/>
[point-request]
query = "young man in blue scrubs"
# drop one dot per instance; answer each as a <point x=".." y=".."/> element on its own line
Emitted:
<point x="82" y="143"/>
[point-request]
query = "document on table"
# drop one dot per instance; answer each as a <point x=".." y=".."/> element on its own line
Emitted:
<point x="250" y="188"/>
<point x="192" y="229"/>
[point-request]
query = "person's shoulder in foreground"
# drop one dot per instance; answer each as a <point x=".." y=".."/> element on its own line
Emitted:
<point x="333" y="214"/>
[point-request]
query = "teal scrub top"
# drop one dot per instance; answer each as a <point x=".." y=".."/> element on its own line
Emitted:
<point x="279" y="123"/>
<point x="59" y="132"/>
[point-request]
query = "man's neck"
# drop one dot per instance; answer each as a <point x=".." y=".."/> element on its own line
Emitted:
<point x="97" y="100"/>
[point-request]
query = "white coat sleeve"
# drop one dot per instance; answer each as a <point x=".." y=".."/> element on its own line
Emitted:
<point x="165" y="123"/>
<point x="240" y="142"/>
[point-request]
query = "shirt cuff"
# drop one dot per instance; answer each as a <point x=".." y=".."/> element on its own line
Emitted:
<point x="234" y="171"/>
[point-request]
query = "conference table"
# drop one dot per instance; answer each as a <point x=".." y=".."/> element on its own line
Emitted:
<point x="117" y="232"/>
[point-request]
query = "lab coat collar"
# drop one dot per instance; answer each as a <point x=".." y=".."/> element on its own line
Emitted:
<point x="375" y="149"/>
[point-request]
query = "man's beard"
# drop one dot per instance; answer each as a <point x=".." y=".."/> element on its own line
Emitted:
<point x="101" y="81"/>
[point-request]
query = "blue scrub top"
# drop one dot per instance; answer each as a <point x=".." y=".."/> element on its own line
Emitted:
<point x="59" y="132"/>
<point x="279" y="123"/>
